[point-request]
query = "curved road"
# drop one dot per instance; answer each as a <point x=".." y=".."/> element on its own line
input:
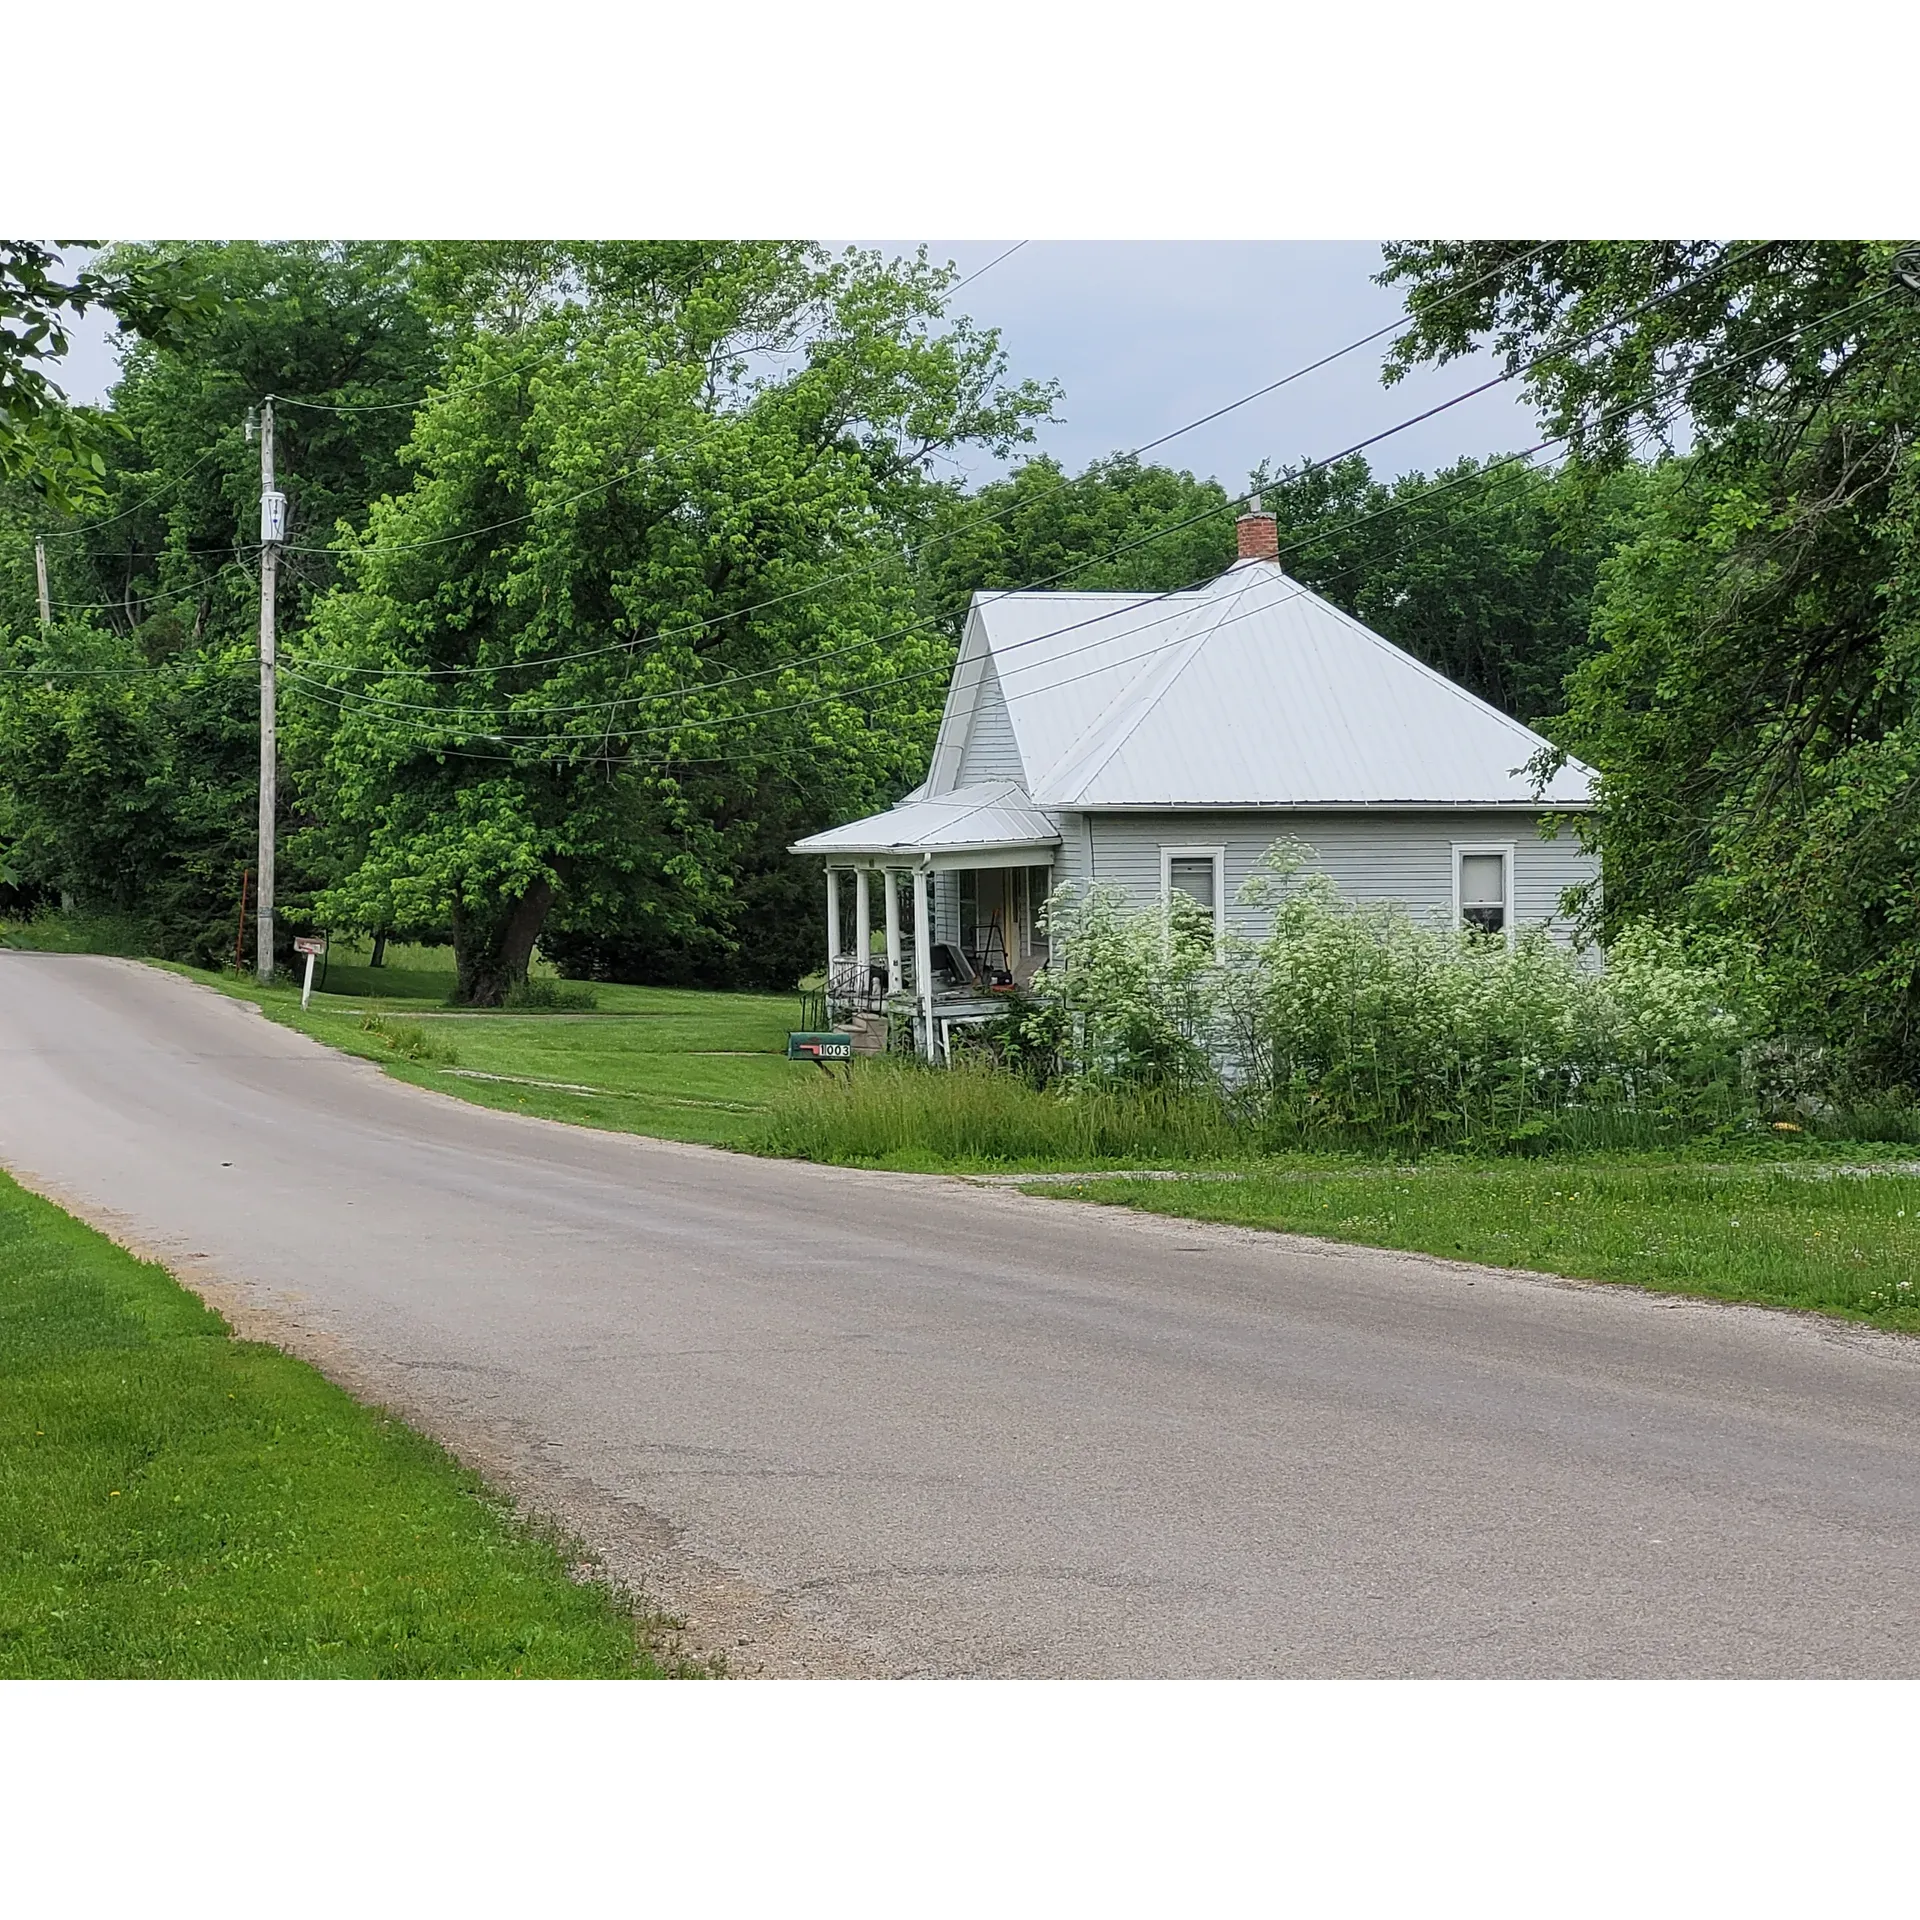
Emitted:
<point x="858" y="1423"/>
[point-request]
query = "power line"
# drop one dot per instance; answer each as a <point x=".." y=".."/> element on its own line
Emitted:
<point x="346" y="701"/>
<point x="779" y="755"/>
<point x="165" y="669"/>
<point x="362" y="703"/>
<point x="163" y="594"/>
<point x="419" y="400"/>
<point x="354" y="702"/>
<point x="715" y="686"/>
<point x="988" y="268"/>
<point x="93" y="526"/>
<point x="632" y="643"/>
<point x="351" y="702"/>
<point x="921" y="627"/>
<point x="778" y="599"/>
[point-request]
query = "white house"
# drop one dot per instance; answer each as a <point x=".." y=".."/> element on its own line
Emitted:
<point x="1163" y="741"/>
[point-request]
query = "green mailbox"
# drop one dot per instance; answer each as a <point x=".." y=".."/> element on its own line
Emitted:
<point x="821" y="1048"/>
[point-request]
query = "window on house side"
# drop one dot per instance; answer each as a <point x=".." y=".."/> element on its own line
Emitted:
<point x="1194" y="878"/>
<point x="1483" y="891"/>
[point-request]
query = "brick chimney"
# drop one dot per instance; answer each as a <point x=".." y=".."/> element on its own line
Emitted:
<point x="1258" y="533"/>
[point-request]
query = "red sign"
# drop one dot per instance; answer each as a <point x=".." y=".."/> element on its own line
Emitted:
<point x="311" y="943"/>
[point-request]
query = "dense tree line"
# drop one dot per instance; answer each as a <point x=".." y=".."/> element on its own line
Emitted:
<point x="656" y="579"/>
<point x="660" y="575"/>
<point x="1750" y="691"/>
<point x="572" y="649"/>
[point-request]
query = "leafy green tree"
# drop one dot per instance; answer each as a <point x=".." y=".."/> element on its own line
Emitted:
<point x="643" y="608"/>
<point x="1751" y="701"/>
<point x="46" y="444"/>
<point x="166" y="548"/>
<point x="1120" y="524"/>
<point x="1484" y="572"/>
<point x="131" y="762"/>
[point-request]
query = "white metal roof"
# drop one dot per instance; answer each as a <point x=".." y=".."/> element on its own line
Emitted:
<point x="1250" y="692"/>
<point x="995" y="813"/>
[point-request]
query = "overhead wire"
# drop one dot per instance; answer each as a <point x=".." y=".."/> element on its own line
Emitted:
<point x="353" y="701"/>
<point x="923" y="626"/>
<point x="812" y="587"/>
<point x="633" y="642"/>
<point x="778" y="756"/>
<point x="163" y="669"/>
<point x="93" y="526"/>
<point x="988" y="268"/>
<point x="356" y="702"/>
<point x="163" y="594"/>
<point x="1212" y="512"/>
<point x="361" y="703"/>
<point x="920" y="627"/>
<point x="396" y="406"/>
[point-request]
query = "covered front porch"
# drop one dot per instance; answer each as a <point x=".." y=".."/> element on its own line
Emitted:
<point x="934" y="911"/>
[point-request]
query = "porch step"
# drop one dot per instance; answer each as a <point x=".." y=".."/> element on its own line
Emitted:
<point x="869" y="1032"/>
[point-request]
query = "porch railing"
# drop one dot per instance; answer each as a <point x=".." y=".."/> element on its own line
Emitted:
<point x="856" y="986"/>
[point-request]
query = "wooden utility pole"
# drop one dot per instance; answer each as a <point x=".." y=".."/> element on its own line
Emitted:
<point x="273" y="530"/>
<point x="40" y="573"/>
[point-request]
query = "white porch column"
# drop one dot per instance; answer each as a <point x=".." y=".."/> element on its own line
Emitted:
<point x="890" y="885"/>
<point x="862" y="926"/>
<point x="833" y="922"/>
<point x="923" y="958"/>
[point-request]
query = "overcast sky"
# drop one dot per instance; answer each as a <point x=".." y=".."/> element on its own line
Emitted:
<point x="1145" y="336"/>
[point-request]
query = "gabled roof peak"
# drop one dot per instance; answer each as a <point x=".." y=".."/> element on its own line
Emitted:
<point x="1248" y="691"/>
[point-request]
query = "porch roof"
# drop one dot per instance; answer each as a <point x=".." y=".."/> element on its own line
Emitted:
<point x="994" y="816"/>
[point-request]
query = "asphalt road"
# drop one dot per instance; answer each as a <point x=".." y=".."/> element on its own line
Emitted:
<point x="856" y="1423"/>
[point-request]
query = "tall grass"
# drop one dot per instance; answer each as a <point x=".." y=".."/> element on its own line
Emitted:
<point x="542" y="992"/>
<point x="1356" y="1025"/>
<point x="898" y="1113"/>
<point x="410" y="1040"/>
<point x="1349" y="1028"/>
<point x="893" y="1113"/>
<point x="80" y="930"/>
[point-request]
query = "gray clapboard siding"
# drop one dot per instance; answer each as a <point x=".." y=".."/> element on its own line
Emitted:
<point x="991" y="752"/>
<point x="1406" y="857"/>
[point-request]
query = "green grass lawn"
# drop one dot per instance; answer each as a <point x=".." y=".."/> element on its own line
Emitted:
<point x="174" y="1502"/>
<point x="672" y="1062"/>
<point x="1844" y="1243"/>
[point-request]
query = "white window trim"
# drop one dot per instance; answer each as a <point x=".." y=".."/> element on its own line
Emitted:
<point x="1461" y="848"/>
<point x="1218" y="855"/>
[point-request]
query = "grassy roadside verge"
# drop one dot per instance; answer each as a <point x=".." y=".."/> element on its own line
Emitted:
<point x="175" y="1502"/>
<point x="1844" y="1243"/>
<point x="674" y="1063"/>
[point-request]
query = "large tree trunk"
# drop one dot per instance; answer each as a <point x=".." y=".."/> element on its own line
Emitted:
<point x="491" y="948"/>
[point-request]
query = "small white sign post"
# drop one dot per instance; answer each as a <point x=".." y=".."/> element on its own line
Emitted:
<point x="312" y="945"/>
